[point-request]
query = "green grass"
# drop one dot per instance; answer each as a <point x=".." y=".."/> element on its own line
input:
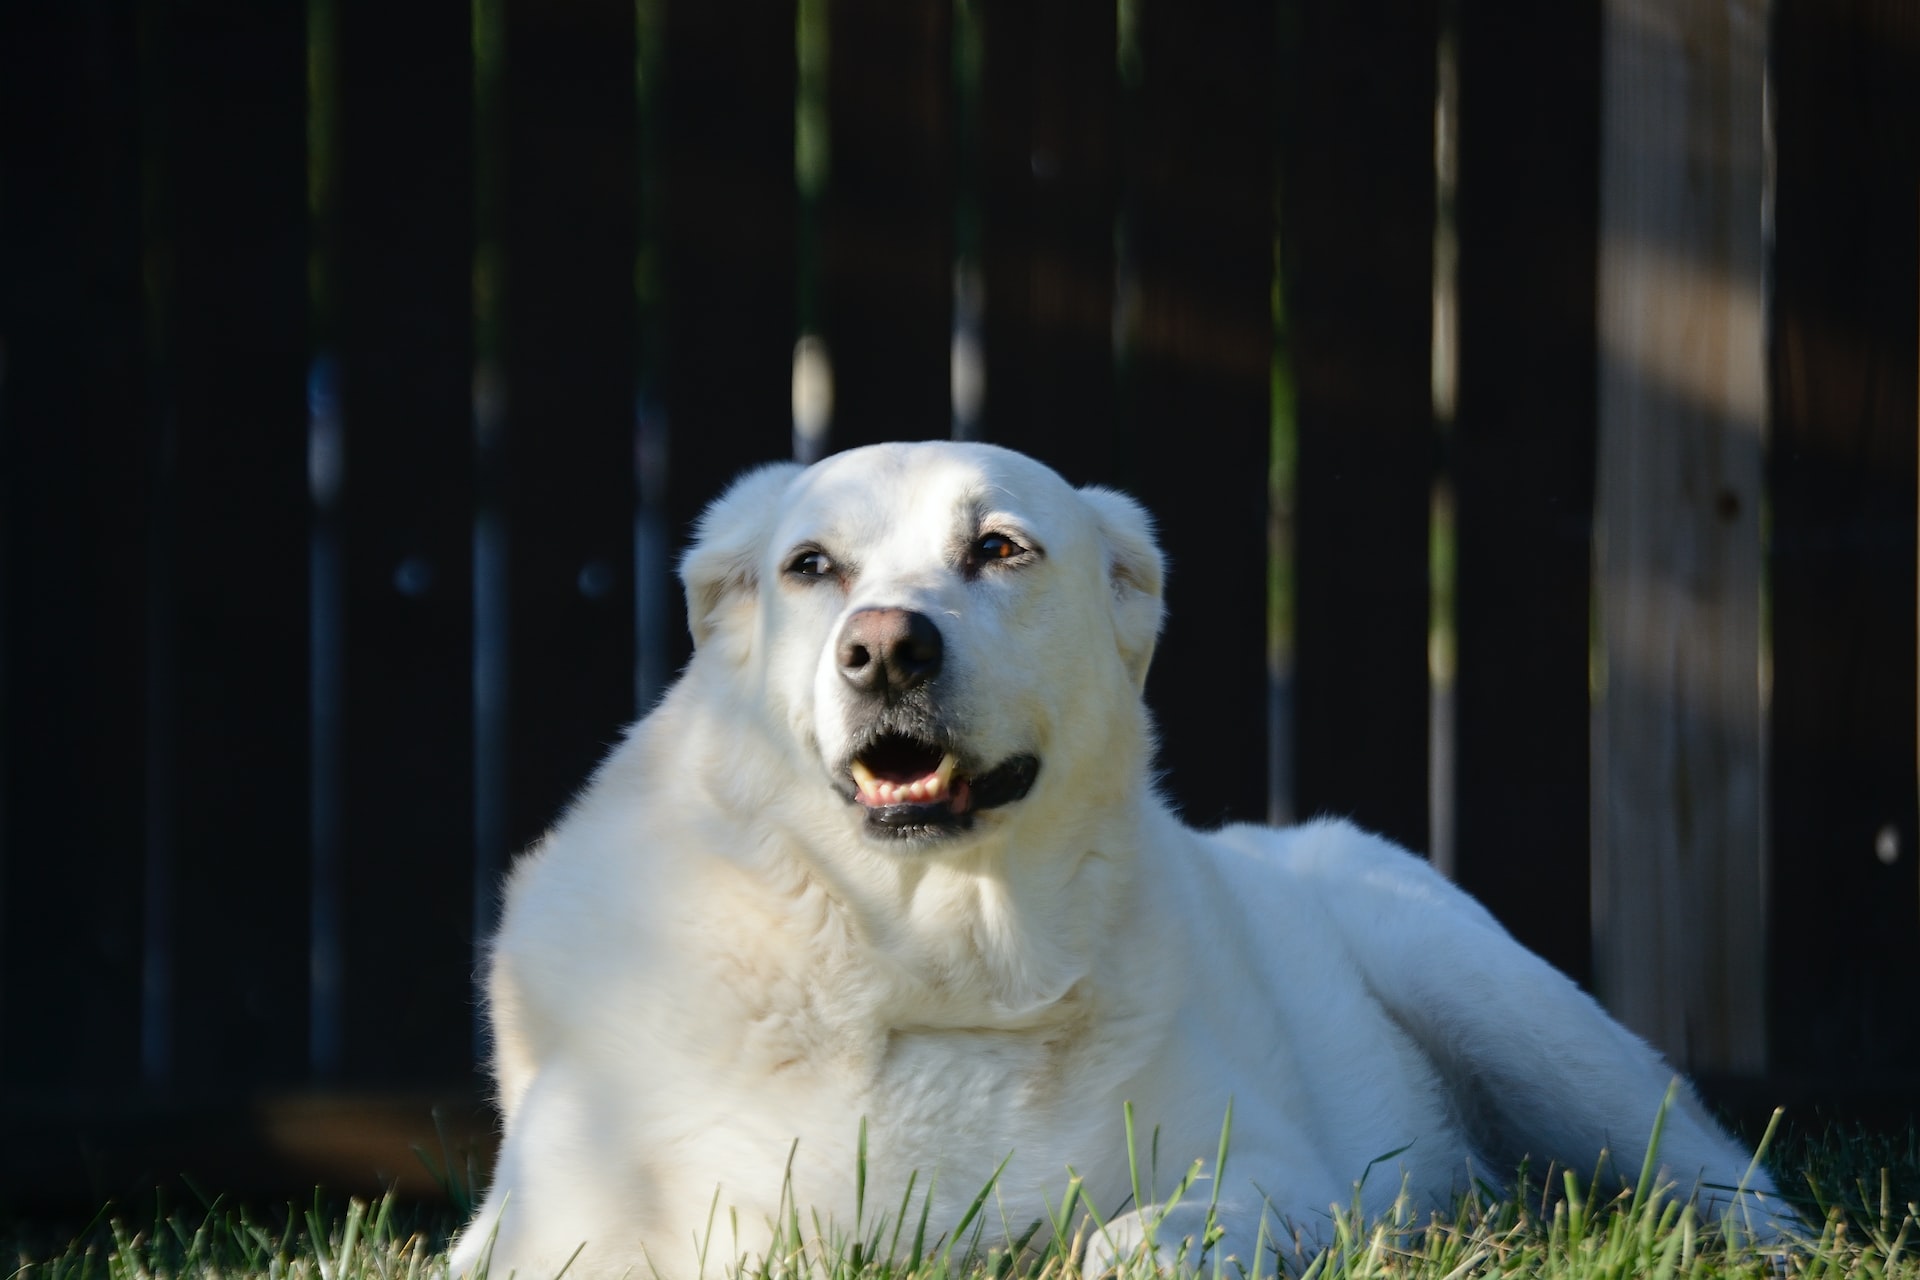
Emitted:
<point x="1859" y="1191"/>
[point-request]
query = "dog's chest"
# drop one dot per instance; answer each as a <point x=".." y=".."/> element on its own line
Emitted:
<point x="954" y="1103"/>
<point x="968" y="1069"/>
<point x="903" y="1062"/>
<point x="907" y="1060"/>
<point x="802" y="1032"/>
<point x="942" y="1106"/>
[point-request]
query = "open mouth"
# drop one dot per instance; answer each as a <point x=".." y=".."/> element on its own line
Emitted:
<point x="914" y="788"/>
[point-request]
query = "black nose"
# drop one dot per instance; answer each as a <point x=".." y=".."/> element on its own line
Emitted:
<point x="889" y="651"/>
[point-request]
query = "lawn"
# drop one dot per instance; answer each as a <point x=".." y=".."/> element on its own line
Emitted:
<point x="1860" y="1193"/>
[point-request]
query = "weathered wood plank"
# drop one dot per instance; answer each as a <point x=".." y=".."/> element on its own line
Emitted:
<point x="1678" y="888"/>
<point x="1195" y="420"/>
<point x="230" y="682"/>
<point x="1049" y="202"/>
<point x="1844" y="366"/>
<point x="1521" y="462"/>
<point x="401" y="326"/>
<point x="564" y="473"/>
<point x="887" y="301"/>
<point x="726" y="263"/>
<point x="76" y="445"/>
<point x="1356" y="240"/>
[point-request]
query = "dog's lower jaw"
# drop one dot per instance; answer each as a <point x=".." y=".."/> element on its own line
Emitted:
<point x="923" y="823"/>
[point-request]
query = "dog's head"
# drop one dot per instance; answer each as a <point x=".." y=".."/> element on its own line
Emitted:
<point x="941" y="631"/>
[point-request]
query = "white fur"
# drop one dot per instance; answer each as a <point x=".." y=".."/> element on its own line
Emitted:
<point x="709" y="961"/>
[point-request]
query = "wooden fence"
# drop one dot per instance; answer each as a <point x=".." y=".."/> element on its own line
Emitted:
<point x="362" y="367"/>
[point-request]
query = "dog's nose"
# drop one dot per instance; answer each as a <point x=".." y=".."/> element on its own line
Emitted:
<point x="889" y="651"/>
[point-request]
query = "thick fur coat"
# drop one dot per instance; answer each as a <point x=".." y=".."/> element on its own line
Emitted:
<point x="890" y="850"/>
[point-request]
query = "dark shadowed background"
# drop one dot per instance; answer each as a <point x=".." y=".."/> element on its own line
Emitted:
<point x="1527" y="394"/>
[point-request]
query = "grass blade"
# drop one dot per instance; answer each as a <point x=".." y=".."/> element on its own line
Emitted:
<point x="1644" y="1187"/>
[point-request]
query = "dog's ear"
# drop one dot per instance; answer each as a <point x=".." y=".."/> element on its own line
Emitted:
<point x="721" y="570"/>
<point x="1135" y="570"/>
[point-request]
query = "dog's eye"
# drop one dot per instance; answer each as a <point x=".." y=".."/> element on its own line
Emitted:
<point x="811" y="563"/>
<point x="994" y="548"/>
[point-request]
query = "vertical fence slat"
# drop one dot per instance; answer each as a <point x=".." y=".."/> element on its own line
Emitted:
<point x="1357" y="264"/>
<point x="888" y="304"/>
<point x="1678" y="894"/>
<point x="727" y="261"/>
<point x="1522" y="465"/>
<point x="404" y="200"/>
<point x="232" y="155"/>
<point x="1050" y="193"/>
<point x="74" y="457"/>
<point x="567" y="476"/>
<point x="1845" y="937"/>
<point x="1200" y="159"/>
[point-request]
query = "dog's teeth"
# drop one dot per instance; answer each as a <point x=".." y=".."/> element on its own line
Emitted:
<point x="875" y="791"/>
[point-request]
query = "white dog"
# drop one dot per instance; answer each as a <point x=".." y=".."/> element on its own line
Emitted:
<point x="890" y="852"/>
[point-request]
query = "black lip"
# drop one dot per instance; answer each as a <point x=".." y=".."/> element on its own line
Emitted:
<point x="917" y="821"/>
<point x="1005" y="783"/>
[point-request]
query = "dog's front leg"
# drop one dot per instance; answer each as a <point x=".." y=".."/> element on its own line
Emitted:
<point x="553" y="1187"/>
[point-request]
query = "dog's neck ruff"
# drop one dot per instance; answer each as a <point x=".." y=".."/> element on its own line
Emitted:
<point x="988" y="931"/>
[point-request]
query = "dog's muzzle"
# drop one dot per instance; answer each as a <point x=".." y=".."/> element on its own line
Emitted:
<point x="907" y="774"/>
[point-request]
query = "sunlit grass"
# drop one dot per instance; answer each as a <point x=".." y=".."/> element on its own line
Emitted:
<point x="1857" y="1190"/>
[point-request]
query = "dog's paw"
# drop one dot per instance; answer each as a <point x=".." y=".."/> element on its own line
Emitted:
<point x="1159" y="1239"/>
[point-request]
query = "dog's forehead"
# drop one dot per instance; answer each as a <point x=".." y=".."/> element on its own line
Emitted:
<point x="916" y="492"/>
